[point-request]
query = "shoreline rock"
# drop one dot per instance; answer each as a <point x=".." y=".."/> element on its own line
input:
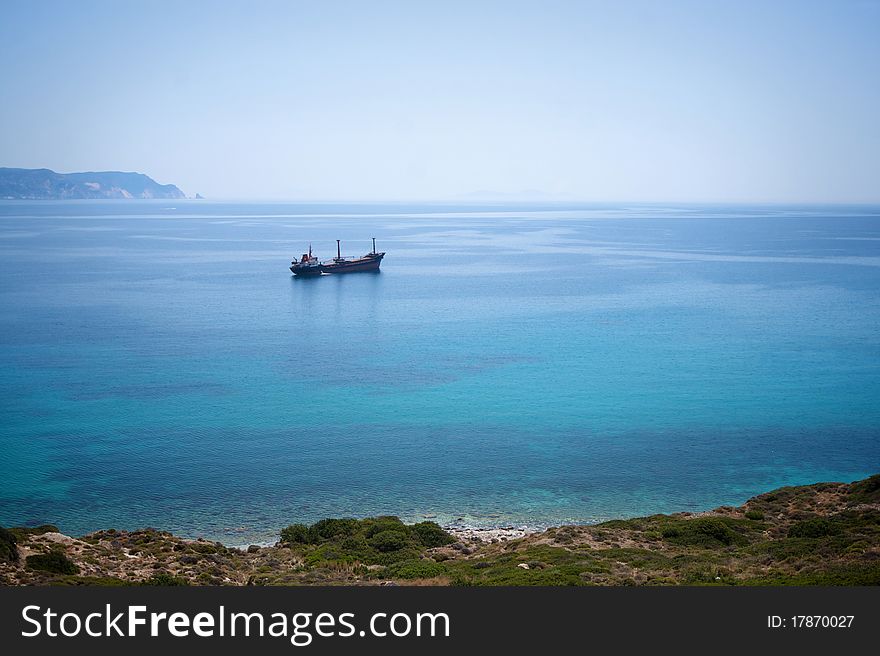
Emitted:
<point x="473" y="534"/>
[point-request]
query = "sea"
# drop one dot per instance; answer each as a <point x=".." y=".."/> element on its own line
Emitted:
<point x="512" y="365"/>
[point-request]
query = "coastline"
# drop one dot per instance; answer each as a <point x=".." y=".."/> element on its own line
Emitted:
<point x="490" y="535"/>
<point x="820" y="534"/>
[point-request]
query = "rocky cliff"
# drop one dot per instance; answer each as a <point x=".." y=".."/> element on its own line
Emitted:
<point x="43" y="184"/>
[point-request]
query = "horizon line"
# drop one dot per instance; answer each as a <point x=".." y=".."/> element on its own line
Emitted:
<point x="449" y="201"/>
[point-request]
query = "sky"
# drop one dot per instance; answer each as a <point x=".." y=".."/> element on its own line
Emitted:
<point x="645" y="101"/>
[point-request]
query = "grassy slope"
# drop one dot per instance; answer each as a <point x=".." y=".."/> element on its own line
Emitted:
<point x="823" y="534"/>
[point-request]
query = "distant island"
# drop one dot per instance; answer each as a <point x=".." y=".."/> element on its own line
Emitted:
<point x="822" y="534"/>
<point x="44" y="184"/>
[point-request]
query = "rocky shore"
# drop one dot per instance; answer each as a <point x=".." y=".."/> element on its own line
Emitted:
<point x="822" y="534"/>
<point x="490" y="535"/>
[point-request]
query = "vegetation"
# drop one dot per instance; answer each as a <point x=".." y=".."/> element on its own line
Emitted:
<point x="8" y="546"/>
<point x="416" y="569"/>
<point x="22" y="533"/>
<point x="824" y="534"/>
<point x="296" y="534"/>
<point x="373" y="541"/>
<point x="431" y="535"/>
<point x="706" y="532"/>
<point x="866" y="491"/>
<point x="54" y="562"/>
<point x="165" y="579"/>
<point x="91" y="581"/>
<point x="812" y="528"/>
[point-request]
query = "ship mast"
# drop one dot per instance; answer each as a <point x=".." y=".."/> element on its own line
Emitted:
<point x="338" y="252"/>
<point x="374" y="245"/>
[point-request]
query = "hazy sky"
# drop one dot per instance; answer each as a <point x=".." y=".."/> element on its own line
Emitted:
<point x="627" y="100"/>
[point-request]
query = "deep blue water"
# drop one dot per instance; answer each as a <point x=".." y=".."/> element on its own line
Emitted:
<point x="511" y="364"/>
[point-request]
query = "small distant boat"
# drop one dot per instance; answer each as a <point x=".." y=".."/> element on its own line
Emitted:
<point x="309" y="265"/>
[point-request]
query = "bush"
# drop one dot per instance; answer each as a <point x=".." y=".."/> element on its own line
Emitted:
<point x="165" y="579"/>
<point x="818" y="527"/>
<point x="431" y="535"/>
<point x="8" y="546"/>
<point x="349" y="550"/>
<point x="373" y="525"/>
<point x="54" y="561"/>
<point x="327" y="529"/>
<point x="416" y="569"/>
<point x="866" y="491"/>
<point x="22" y="533"/>
<point x="754" y="514"/>
<point x="91" y="581"/>
<point x="380" y="540"/>
<point x="701" y="532"/>
<point x="296" y="534"/>
<point x="386" y="541"/>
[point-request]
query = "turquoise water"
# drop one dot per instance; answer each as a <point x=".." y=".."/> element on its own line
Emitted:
<point x="511" y="364"/>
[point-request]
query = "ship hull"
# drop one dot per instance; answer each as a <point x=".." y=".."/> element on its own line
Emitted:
<point x="363" y="264"/>
<point x="303" y="272"/>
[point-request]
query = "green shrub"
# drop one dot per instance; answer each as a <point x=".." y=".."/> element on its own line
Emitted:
<point x="355" y="546"/>
<point x="634" y="524"/>
<point x="845" y="574"/>
<point x="383" y="540"/>
<point x="296" y="534"/>
<point x="323" y="553"/>
<point x="431" y="535"/>
<point x="92" y="581"/>
<point x="327" y="529"/>
<point x="386" y="541"/>
<point x="165" y="579"/>
<point x="55" y="562"/>
<point x="754" y="514"/>
<point x="866" y="491"/>
<point x="701" y="532"/>
<point x="349" y="550"/>
<point x="373" y="525"/>
<point x="416" y="569"/>
<point x="8" y="546"/>
<point x="785" y="549"/>
<point x="21" y="533"/>
<point x="818" y="527"/>
<point x="508" y="574"/>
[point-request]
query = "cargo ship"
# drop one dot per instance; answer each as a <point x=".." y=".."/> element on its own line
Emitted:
<point x="309" y="265"/>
